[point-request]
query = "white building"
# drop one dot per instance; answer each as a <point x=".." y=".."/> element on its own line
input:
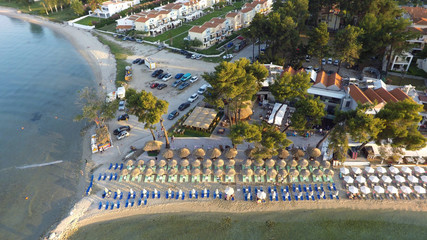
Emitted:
<point x="109" y="8"/>
<point x="402" y="62"/>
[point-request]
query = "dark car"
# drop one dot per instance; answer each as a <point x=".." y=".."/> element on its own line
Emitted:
<point x="141" y="62"/>
<point x="173" y="115"/>
<point x="183" y="106"/>
<point x="188" y="55"/>
<point x="179" y="75"/>
<point x="123" y="117"/>
<point x="161" y="75"/>
<point x="161" y="86"/>
<point x="176" y="83"/>
<point x="183" y="85"/>
<point x="136" y="60"/>
<point x="154" y="85"/>
<point x="157" y="73"/>
<point x="122" y="128"/>
<point x="183" y="52"/>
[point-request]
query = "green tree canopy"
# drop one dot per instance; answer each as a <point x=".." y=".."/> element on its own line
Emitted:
<point x="346" y="45"/>
<point x="289" y="86"/>
<point x="243" y="131"/>
<point x="77" y="7"/>
<point x="309" y="112"/>
<point x="318" y="42"/>
<point x="95" y="108"/>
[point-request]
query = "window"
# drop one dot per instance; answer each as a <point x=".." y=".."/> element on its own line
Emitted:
<point x="347" y="104"/>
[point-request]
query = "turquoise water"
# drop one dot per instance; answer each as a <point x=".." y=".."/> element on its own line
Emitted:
<point x="40" y="74"/>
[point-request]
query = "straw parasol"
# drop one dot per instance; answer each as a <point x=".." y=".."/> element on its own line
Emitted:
<point x="207" y="163"/>
<point x="231" y="172"/>
<point x="135" y="172"/>
<point x="183" y="171"/>
<point x="168" y="154"/>
<point x="283" y="153"/>
<point x="329" y="172"/>
<point x="184" y="162"/>
<point x="151" y="163"/>
<point x="195" y="172"/>
<point x="315" y="153"/>
<point x="207" y="171"/>
<point x="129" y="163"/>
<point x="318" y="172"/>
<point x="215" y="153"/>
<point x="230" y="162"/>
<point x="124" y="172"/>
<point x="259" y="162"/>
<point x="303" y="163"/>
<point x="272" y="173"/>
<point x="248" y="172"/>
<point x="283" y="172"/>
<point x="231" y="153"/>
<point x="184" y="152"/>
<point x="153" y="146"/>
<point x="247" y="162"/>
<point x="315" y="163"/>
<point x="196" y="163"/>
<point x="219" y="163"/>
<point x="140" y="162"/>
<point x="148" y="172"/>
<point x="281" y="163"/>
<point x="161" y="163"/>
<point x="161" y="171"/>
<point x="173" y="163"/>
<point x="260" y="172"/>
<point x="293" y="163"/>
<point x="293" y="173"/>
<point x="270" y="163"/>
<point x="219" y="173"/>
<point x="326" y="164"/>
<point x="300" y="153"/>
<point x="304" y="173"/>
<point x="250" y="152"/>
<point x="172" y="171"/>
<point x="199" y="153"/>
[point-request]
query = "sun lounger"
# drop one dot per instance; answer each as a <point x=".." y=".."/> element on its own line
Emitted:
<point x="220" y="195"/>
<point x="190" y="194"/>
<point x="312" y="198"/>
<point x="183" y="196"/>
<point x="269" y="189"/>
<point x="118" y="204"/>
<point x="121" y="166"/>
<point x="271" y="198"/>
<point x="196" y="195"/>
<point x="318" y="195"/>
<point x="177" y="196"/>
<point x="334" y="187"/>
<point x="306" y="196"/>
<point x="172" y="196"/>
<point x="111" y="166"/>
<point x="337" y="197"/>
<point x="153" y="195"/>
<point x="139" y="202"/>
<point x="321" y="187"/>
<point x="115" y="195"/>
<point x="145" y="202"/>
<point x="304" y="188"/>
<point x="330" y="195"/>
<point x="167" y="195"/>
<point x="214" y="196"/>
<point x="299" y="187"/>
<point x="296" y="197"/>
<point x="246" y="197"/>
<point x="106" y="205"/>
<point x="100" y="177"/>
<point x="111" y="206"/>
<point x="104" y="177"/>
<point x="132" y="203"/>
<point x="309" y="188"/>
<point x="121" y="196"/>
<point x="100" y="205"/>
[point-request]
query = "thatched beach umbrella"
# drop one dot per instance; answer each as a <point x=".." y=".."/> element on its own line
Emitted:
<point x="329" y="172"/>
<point x="250" y="152"/>
<point x="270" y="163"/>
<point x="184" y="163"/>
<point x="247" y="162"/>
<point x="140" y="163"/>
<point x="207" y="163"/>
<point x="161" y="171"/>
<point x="161" y="163"/>
<point x="151" y="163"/>
<point x="172" y="171"/>
<point x="230" y="162"/>
<point x="283" y="173"/>
<point x="219" y="173"/>
<point x="326" y="164"/>
<point x="196" y="163"/>
<point x="315" y="163"/>
<point x="184" y="152"/>
<point x="293" y="173"/>
<point x="281" y="163"/>
<point x="168" y="154"/>
<point x="248" y="172"/>
<point x="214" y="153"/>
<point x="124" y="172"/>
<point x="207" y="171"/>
<point x="231" y="172"/>
<point x="260" y="172"/>
<point x="195" y="172"/>
<point x="148" y="172"/>
<point x="129" y="163"/>
<point x="304" y="173"/>
<point x="199" y="153"/>
<point x="183" y="171"/>
<point x="272" y="173"/>
<point x="317" y="172"/>
<point x="315" y="153"/>
<point x="173" y="163"/>
<point x="293" y="163"/>
<point x="231" y="153"/>
<point x="219" y="163"/>
<point x="283" y="153"/>
<point x="153" y="146"/>
<point x="135" y="172"/>
<point x="303" y="163"/>
<point x="259" y="162"/>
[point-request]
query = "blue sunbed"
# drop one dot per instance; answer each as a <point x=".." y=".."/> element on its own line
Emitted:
<point x="318" y="195"/>
<point x="115" y="177"/>
<point x="289" y="198"/>
<point x="287" y="188"/>
<point x="158" y="194"/>
<point x="139" y="202"/>
<point x="190" y="194"/>
<point x="100" y="205"/>
<point x="177" y="196"/>
<point x="145" y="202"/>
<point x="271" y="198"/>
<point x="128" y="195"/>
<point x="330" y="195"/>
<point x="306" y="196"/>
<point x="281" y="189"/>
<point x="321" y="187"/>
<point x="132" y="203"/>
<point x="207" y="195"/>
<point x="214" y="196"/>
<point x="118" y="204"/>
<point x="121" y="196"/>
<point x="116" y="166"/>
<point x="269" y="189"/>
<point x="312" y="197"/>
<point x="334" y="187"/>
<point x="203" y="194"/>
<point x="112" y="206"/>
<point x="232" y="198"/>
<point x="296" y="197"/>
<point x="106" y="205"/>
<point x="284" y="198"/>
<point x="329" y="187"/>
<point x="91" y="178"/>
<point x="305" y="188"/>
<point x="309" y="188"/>
<point x="167" y="195"/>
<point x="299" y="187"/>
<point x="244" y="189"/>
<point x="275" y="189"/>
<point x="256" y="190"/>
<point x="220" y="195"/>
<point x="249" y="189"/>
<point x="115" y="195"/>
<point x="111" y="165"/>
<point x="302" y="197"/>
<point x="100" y="176"/>
<point x="324" y="196"/>
<point x="338" y="198"/>
<point x="154" y="195"/>
<point x="277" y="198"/>
<point x="260" y="188"/>
<point x="197" y="195"/>
<point x="293" y="187"/>
<point x="172" y="195"/>
<point x="111" y="177"/>
<point x="183" y="196"/>
<point x="104" y="177"/>
<point x="246" y="197"/>
<point x="121" y="167"/>
<point x="127" y="203"/>
<point x="315" y="187"/>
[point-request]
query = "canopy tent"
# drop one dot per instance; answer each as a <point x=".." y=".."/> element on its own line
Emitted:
<point x="281" y="111"/>
<point x="201" y="118"/>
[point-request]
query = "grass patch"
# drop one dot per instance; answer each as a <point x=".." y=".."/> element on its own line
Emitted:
<point x="419" y="84"/>
<point x="109" y="28"/>
<point x="415" y="71"/>
<point x="88" y="21"/>
<point x="37" y="9"/>
<point x="169" y="34"/>
<point x="120" y="53"/>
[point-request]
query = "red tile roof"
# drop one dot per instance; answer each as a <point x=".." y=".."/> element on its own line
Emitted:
<point x="373" y="96"/>
<point x="329" y="80"/>
<point x="124" y="27"/>
<point x="142" y="19"/>
<point x="399" y="94"/>
<point x="198" y="29"/>
<point x="416" y="12"/>
<point x="358" y="95"/>
<point x="231" y="14"/>
<point x="384" y="94"/>
<point x="246" y="10"/>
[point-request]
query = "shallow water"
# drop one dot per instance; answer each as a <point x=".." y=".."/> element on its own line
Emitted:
<point x="40" y="145"/>
<point x="298" y="224"/>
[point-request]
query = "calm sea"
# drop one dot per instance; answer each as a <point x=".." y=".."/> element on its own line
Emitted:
<point x="40" y="74"/>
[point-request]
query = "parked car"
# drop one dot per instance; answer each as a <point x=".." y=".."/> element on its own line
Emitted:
<point x="155" y="73"/>
<point x="123" y="117"/>
<point x="228" y="56"/>
<point x="309" y="68"/>
<point x="121" y="105"/>
<point x="176" y="83"/>
<point x="336" y="62"/>
<point x="154" y="85"/>
<point x="323" y="61"/>
<point x="173" y="115"/>
<point x="316" y="69"/>
<point x="183" y="52"/>
<point x="307" y="58"/>
<point x="186" y="77"/>
<point x="194" y="79"/>
<point x="139" y="40"/>
<point x="188" y="55"/>
<point x="329" y="60"/>
<point x="141" y="62"/>
<point x="183" y="106"/>
<point x="193" y="56"/>
<point x="166" y="77"/>
<point x="161" y="86"/>
<point x="136" y="61"/>
<point x="183" y="85"/>
<point x="161" y="76"/>
<point x="198" y="56"/>
<point x="193" y="97"/>
<point x="203" y="88"/>
<point x="120" y="129"/>
<point x="179" y="75"/>
<point x="122" y="135"/>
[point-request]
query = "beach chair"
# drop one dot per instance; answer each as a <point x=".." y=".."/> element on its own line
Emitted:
<point x="334" y="187"/>
<point x="304" y="188"/>
<point x="100" y="177"/>
<point x="271" y="198"/>
<point x="153" y="195"/>
<point x="139" y="202"/>
<point x="318" y="195"/>
<point x="312" y="198"/>
<point x="116" y="166"/>
<point x="172" y="196"/>
<point x="118" y="204"/>
<point x="196" y="195"/>
<point x="145" y="202"/>
<point x="299" y="187"/>
<point x="220" y="195"/>
<point x="324" y="195"/>
<point x="296" y="197"/>
<point x="104" y="177"/>
<point x="111" y="166"/>
<point x="337" y="197"/>
<point x="121" y="196"/>
<point x="214" y="196"/>
<point x="183" y="196"/>
<point x="309" y="188"/>
<point x="321" y="187"/>
<point x="330" y="195"/>
<point x="158" y="194"/>
<point x="115" y="195"/>
<point x="112" y="206"/>
<point x="177" y="196"/>
<point x="100" y="206"/>
<point x="167" y="195"/>
<point x="121" y="167"/>
<point x="115" y="176"/>
<point x="106" y="205"/>
<point x="132" y="203"/>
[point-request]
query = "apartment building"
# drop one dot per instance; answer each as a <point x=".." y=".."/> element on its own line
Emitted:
<point x="109" y="8"/>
